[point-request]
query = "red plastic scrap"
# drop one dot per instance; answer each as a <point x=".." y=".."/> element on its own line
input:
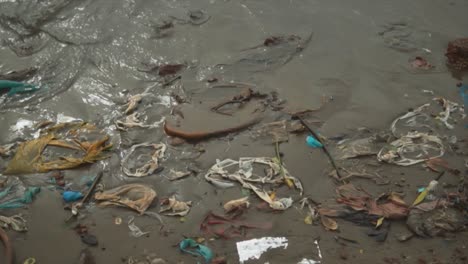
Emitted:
<point x="228" y="227"/>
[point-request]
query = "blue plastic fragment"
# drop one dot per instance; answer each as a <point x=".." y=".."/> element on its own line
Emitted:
<point x="71" y="196"/>
<point x="420" y="190"/>
<point x="17" y="87"/>
<point x="197" y="249"/>
<point x="313" y="142"/>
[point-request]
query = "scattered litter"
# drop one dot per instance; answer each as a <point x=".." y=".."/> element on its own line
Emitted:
<point x="117" y="220"/>
<point x="430" y="188"/>
<point x="390" y="206"/>
<point x="15" y="222"/>
<point x="235" y="205"/>
<point x="436" y="222"/>
<point x="173" y="207"/>
<point x="28" y="157"/>
<point x="135" y="196"/>
<point x="151" y="166"/>
<point x="190" y="246"/>
<point x="177" y="175"/>
<point x="312" y="142"/>
<point x="422" y="146"/>
<point x="71" y="196"/>
<point x="219" y="176"/>
<point x="135" y="231"/>
<point x="449" y="107"/>
<point x="254" y="248"/>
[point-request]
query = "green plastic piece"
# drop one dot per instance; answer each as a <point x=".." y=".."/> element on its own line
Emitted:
<point x="27" y="198"/>
<point x="17" y="87"/>
<point x="198" y="250"/>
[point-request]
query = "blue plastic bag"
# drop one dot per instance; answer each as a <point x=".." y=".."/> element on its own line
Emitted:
<point x="71" y="196"/>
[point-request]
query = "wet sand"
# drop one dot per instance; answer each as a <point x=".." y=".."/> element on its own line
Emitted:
<point x="100" y="47"/>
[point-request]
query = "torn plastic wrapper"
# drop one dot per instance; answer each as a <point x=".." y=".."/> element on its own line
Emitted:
<point x="421" y="119"/>
<point x="151" y="165"/>
<point x="422" y="147"/>
<point x="29" y="155"/>
<point x="449" y="107"/>
<point x="16" y="222"/>
<point x="135" y="231"/>
<point x="219" y="176"/>
<point x="135" y="196"/>
<point x="173" y="207"/>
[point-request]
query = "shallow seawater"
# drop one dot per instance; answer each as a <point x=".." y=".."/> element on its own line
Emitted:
<point x="92" y="55"/>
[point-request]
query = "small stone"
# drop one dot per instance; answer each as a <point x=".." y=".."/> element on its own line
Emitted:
<point x="89" y="239"/>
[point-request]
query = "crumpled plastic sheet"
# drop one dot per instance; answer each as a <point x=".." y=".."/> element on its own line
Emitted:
<point x="28" y="157"/>
<point x="420" y="146"/>
<point x="151" y="165"/>
<point x="358" y="148"/>
<point x="16" y="222"/>
<point x="220" y="177"/>
<point x="135" y="231"/>
<point x="15" y="195"/>
<point x="421" y="120"/>
<point x="134" y="196"/>
<point x="254" y="248"/>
